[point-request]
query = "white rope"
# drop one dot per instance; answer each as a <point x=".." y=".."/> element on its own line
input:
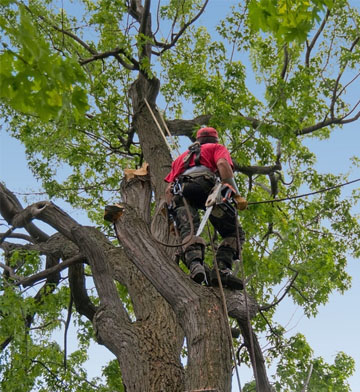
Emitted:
<point x="158" y="125"/>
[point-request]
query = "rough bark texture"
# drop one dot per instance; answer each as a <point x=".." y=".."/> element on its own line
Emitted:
<point x="148" y="348"/>
<point x="168" y="306"/>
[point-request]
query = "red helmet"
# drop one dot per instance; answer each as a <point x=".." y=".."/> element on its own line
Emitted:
<point x="206" y="132"/>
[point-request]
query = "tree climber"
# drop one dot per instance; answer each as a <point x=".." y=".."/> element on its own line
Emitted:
<point x="195" y="171"/>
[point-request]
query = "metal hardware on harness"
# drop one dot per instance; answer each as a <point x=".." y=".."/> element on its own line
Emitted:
<point x="177" y="188"/>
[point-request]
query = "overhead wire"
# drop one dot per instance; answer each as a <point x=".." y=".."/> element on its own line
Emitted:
<point x="304" y="194"/>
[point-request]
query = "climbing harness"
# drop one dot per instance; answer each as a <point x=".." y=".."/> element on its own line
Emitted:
<point x="193" y="150"/>
<point x="176" y="190"/>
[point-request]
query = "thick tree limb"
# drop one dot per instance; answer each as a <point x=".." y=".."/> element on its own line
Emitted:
<point x="91" y="249"/>
<point x="79" y="294"/>
<point x="187" y="127"/>
<point x="235" y="303"/>
<point x="10" y="207"/>
<point x="30" y="280"/>
<point x="19" y="236"/>
<point x="263" y="382"/>
<point x="144" y="23"/>
<point x="253" y="170"/>
<point x="136" y="9"/>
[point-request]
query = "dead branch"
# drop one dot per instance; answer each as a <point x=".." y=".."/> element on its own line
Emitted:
<point x="305" y="387"/>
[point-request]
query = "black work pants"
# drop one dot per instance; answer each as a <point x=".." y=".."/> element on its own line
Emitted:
<point x="223" y="218"/>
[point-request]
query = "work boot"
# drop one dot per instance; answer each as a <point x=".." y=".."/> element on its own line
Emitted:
<point x="227" y="279"/>
<point x="197" y="272"/>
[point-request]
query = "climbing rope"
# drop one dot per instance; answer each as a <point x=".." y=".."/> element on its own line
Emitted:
<point x="159" y="128"/>
<point x="224" y="306"/>
<point x="242" y="271"/>
<point x="161" y="206"/>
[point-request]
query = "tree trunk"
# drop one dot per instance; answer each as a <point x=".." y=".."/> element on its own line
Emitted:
<point x="167" y="304"/>
<point x="148" y="348"/>
<point x="198" y="309"/>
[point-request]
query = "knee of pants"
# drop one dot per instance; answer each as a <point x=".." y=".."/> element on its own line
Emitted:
<point x="194" y="249"/>
<point x="225" y="256"/>
<point x="183" y="220"/>
<point x="192" y="254"/>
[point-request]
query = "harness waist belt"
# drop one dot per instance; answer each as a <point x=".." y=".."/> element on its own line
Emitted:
<point x="196" y="169"/>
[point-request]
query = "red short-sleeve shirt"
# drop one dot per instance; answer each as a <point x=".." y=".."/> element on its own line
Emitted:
<point x="209" y="155"/>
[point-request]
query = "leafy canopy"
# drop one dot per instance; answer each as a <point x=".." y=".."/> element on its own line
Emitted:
<point x="267" y="89"/>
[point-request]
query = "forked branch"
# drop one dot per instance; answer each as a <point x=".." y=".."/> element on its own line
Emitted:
<point x="176" y="37"/>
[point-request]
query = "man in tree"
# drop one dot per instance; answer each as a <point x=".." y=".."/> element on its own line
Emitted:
<point x="195" y="171"/>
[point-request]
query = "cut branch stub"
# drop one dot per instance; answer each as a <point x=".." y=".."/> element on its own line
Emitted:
<point x="136" y="190"/>
<point x="235" y="302"/>
<point x="28" y="214"/>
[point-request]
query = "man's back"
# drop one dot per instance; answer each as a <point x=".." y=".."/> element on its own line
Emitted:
<point x="210" y="153"/>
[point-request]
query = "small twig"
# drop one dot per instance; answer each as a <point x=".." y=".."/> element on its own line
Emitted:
<point x="267" y="307"/>
<point x="268" y="323"/>
<point x="301" y="294"/>
<point x="10" y="271"/>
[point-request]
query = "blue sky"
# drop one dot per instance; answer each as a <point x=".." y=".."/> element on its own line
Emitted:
<point x="336" y="328"/>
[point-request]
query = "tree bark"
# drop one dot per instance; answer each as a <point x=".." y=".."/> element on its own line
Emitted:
<point x="148" y="349"/>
